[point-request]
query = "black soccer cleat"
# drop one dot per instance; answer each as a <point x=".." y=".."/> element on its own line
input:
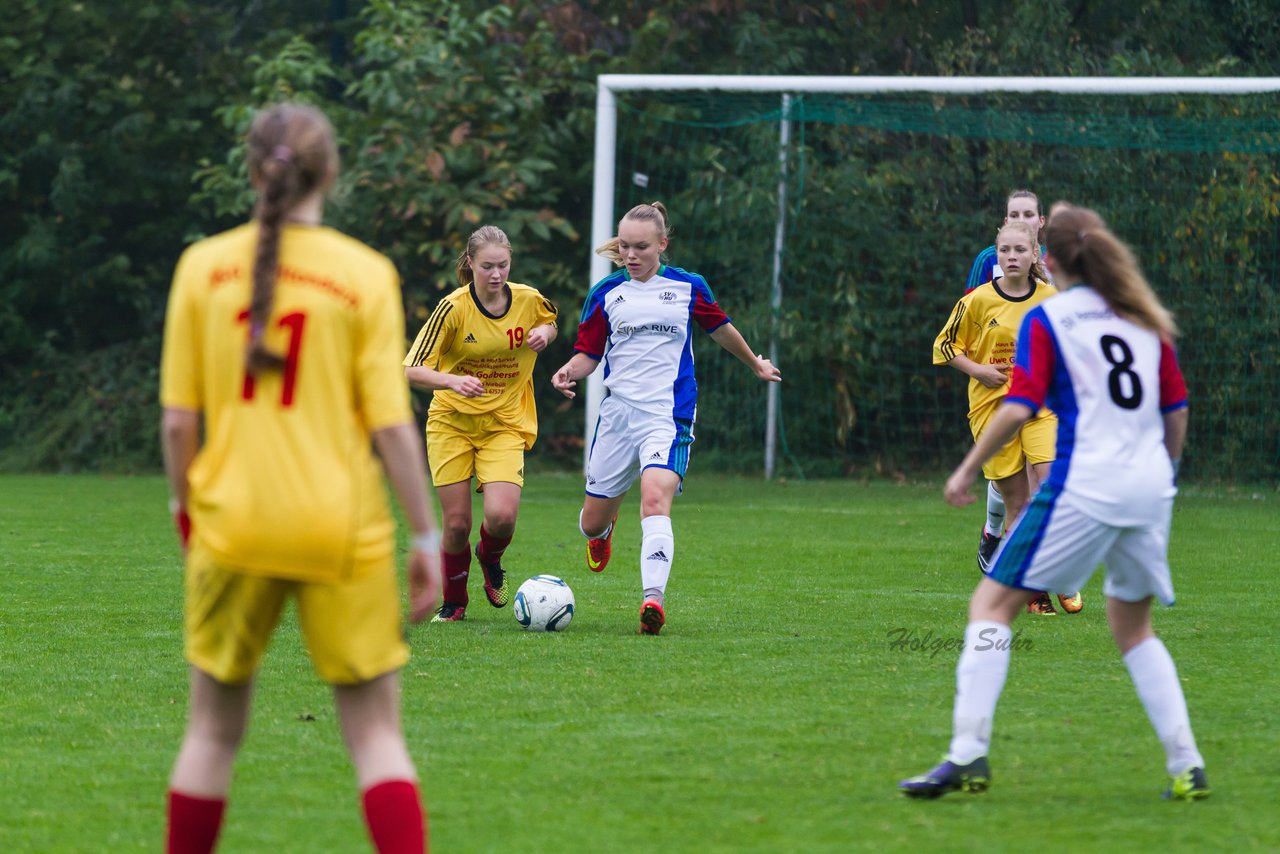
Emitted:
<point x="987" y="550"/>
<point x="495" y="581"/>
<point x="450" y="613"/>
<point x="949" y="777"/>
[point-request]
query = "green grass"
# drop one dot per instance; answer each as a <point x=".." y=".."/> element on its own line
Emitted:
<point x="772" y="714"/>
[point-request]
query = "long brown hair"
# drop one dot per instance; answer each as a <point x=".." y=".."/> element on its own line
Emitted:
<point x="291" y="153"/>
<point x="485" y="235"/>
<point x="1085" y="250"/>
<point x="654" y="212"/>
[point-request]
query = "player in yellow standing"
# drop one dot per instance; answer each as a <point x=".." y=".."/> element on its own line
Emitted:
<point x="979" y="340"/>
<point x="476" y="353"/>
<point x="1020" y="206"/>
<point x="280" y="342"/>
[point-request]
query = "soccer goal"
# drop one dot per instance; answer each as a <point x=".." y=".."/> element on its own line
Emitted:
<point x="836" y="218"/>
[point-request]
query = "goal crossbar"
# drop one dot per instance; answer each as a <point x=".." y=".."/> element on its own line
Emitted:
<point x="603" y="216"/>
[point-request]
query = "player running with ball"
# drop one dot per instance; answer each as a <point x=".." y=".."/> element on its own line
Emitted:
<point x="477" y="352"/>
<point x="640" y="321"/>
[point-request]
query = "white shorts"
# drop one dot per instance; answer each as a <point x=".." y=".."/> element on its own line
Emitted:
<point x="627" y="441"/>
<point x="1056" y="547"/>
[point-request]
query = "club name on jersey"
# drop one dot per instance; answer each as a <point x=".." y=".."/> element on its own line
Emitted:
<point x="633" y="329"/>
<point x="1070" y="320"/>
<point x="220" y="276"/>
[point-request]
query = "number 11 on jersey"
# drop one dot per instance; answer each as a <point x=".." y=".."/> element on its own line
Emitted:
<point x="294" y="322"/>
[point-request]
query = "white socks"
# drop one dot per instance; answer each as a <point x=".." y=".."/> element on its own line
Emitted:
<point x="984" y="664"/>
<point x="657" y="551"/>
<point x="995" y="510"/>
<point x="980" y="675"/>
<point x="1156" y="679"/>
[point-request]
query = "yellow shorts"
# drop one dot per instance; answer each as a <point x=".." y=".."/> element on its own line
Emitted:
<point x="459" y="446"/>
<point x="352" y="628"/>
<point x="1035" y="443"/>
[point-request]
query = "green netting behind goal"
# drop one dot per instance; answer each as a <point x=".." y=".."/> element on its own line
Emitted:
<point x="888" y="200"/>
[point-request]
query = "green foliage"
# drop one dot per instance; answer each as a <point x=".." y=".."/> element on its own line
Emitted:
<point x="84" y="414"/>
<point x="122" y="126"/>
<point x="91" y="91"/>
<point x="445" y="124"/>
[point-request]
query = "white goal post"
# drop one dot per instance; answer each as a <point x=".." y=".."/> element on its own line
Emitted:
<point x="604" y="217"/>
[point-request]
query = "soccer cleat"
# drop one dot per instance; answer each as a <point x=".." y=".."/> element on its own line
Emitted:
<point x="987" y="550"/>
<point x="1072" y="604"/>
<point x="599" y="549"/>
<point x="949" y="777"/>
<point x="450" y="613"/>
<point x="495" y="581"/>
<point x="652" y="617"/>
<point x="1190" y="785"/>
<point x="1042" y="604"/>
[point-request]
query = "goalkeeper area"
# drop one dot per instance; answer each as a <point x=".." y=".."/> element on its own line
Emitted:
<point x="837" y="231"/>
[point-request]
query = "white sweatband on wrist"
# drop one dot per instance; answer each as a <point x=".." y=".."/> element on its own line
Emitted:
<point x="426" y="543"/>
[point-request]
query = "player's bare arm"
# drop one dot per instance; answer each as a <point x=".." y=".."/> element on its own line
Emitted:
<point x="540" y="337"/>
<point x="567" y="377"/>
<point x="401" y="453"/>
<point x="991" y="376"/>
<point x="179" y="440"/>
<point x="1175" y="432"/>
<point x="428" y="379"/>
<point x="1007" y="421"/>
<point x="731" y="340"/>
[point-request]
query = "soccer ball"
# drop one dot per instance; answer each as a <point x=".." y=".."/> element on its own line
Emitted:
<point x="544" y="603"/>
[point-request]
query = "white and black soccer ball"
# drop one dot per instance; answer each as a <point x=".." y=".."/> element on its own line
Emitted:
<point x="544" y="603"/>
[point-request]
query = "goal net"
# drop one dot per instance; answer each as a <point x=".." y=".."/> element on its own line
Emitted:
<point x="837" y="230"/>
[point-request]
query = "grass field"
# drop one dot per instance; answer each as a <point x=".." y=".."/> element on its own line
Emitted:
<point x="773" y="714"/>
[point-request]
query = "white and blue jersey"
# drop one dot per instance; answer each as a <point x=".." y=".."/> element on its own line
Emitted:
<point x="643" y="332"/>
<point x="1109" y="495"/>
<point x="1110" y="382"/>
<point x="984" y="269"/>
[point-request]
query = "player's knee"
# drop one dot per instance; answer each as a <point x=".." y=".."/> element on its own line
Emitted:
<point x="500" y="522"/>
<point x="655" y="506"/>
<point x="591" y="526"/>
<point x="457" y="526"/>
<point x="216" y="734"/>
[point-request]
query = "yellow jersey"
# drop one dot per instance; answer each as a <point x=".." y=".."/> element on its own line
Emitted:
<point x="464" y="339"/>
<point x="285" y="483"/>
<point x="984" y="326"/>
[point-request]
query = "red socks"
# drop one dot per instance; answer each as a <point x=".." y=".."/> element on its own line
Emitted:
<point x="193" y="823"/>
<point x="393" y="811"/>
<point x="456" y="569"/>
<point x="491" y="548"/>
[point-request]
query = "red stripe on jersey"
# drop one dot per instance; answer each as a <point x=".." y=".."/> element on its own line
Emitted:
<point x="1173" y="388"/>
<point x="708" y="315"/>
<point x="1031" y="381"/>
<point x="593" y="333"/>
